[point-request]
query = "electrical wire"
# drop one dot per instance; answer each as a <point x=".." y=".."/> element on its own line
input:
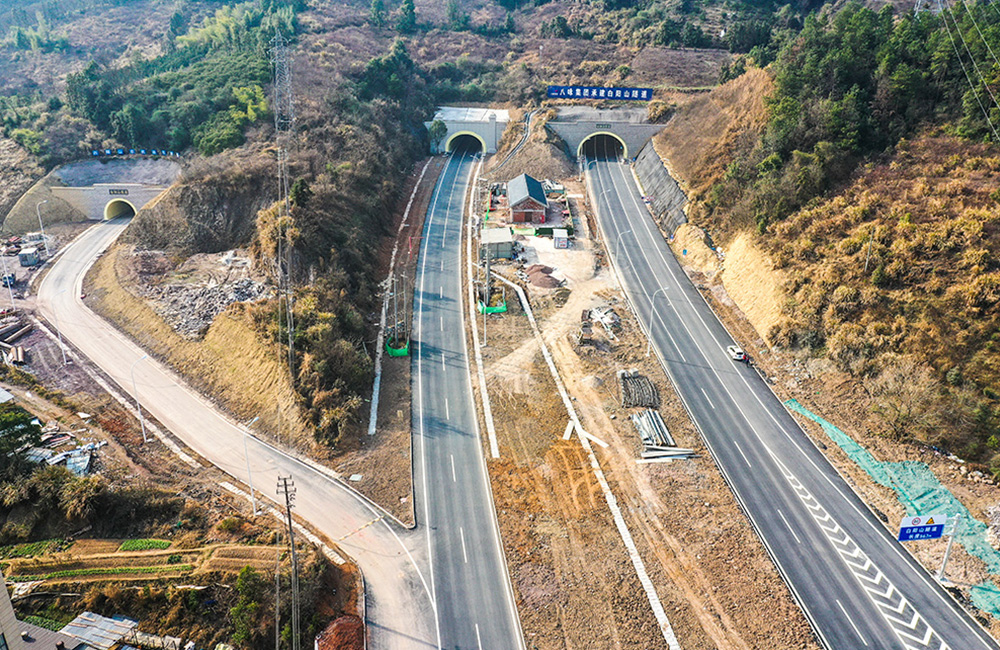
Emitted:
<point x="972" y="16"/>
<point x="968" y="78"/>
<point x="972" y="59"/>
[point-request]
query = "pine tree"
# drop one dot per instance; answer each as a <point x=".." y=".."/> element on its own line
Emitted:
<point x="407" y="21"/>
<point x="376" y="15"/>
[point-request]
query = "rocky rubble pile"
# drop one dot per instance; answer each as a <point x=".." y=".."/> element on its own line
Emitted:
<point x="190" y="309"/>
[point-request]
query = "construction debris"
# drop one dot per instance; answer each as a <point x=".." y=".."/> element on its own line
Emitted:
<point x="13" y="327"/>
<point x="190" y="310"/>
<point x="658" y="444"/>
<point x="637" y="391"/>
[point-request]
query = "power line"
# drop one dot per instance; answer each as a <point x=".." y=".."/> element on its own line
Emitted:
<point x="972" y="59"/>
<point x="964" y="70"/>
<point x="972" y="17"/>
<point x="284" y="121"/>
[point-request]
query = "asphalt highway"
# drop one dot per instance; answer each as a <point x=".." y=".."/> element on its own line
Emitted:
<point x="857" y="586"/>
<point x="400" y="611"/>
<point x="468" y="577"/>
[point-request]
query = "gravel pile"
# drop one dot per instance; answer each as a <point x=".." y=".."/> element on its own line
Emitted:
<point x="191" y="309"/>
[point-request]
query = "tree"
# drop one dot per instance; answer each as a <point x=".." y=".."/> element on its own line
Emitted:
<point x="458" y="20"/>
<point x="377" y="14"/>
<point x="301" y="193"/>
<point x="436" y="132"/>
<point x="508" y="23"/>
<point x="908" y="399"/>
<point x="406" y="23"/>
<point x="245" y="615"/>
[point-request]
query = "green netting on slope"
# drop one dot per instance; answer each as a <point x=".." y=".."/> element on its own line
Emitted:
<point x="986" y="596"/>
<point x="919" y="491"/>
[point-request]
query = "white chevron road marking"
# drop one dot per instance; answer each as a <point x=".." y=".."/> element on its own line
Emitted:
<point x="904" y="620"/>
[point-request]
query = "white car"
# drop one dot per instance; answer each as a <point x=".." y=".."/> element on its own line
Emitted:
<point x="736" y="353"/>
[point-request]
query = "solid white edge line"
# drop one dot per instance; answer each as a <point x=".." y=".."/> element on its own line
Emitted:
<point x="687" y="407"/>
<point x="428" y="223"/>
<point x="309" y="465"/>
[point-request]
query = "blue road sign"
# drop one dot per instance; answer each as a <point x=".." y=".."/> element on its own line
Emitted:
<point x="600" y="92"/>
<point x="926" y="527"/>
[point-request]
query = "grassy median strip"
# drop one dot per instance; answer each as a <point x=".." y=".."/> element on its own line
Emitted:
<point x="99" y="571"/>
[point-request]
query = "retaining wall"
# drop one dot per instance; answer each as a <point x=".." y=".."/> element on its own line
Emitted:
<point x="667" y="200"/>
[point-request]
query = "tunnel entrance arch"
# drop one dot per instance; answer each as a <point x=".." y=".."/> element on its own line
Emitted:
<point x="118" y="208"/>
<point x="466" y="139"/>
<point x="592" y="144"/>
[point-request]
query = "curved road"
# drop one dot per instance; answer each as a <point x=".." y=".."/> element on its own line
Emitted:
<point x="443" y="585"/>
<point x="857" y="586"/>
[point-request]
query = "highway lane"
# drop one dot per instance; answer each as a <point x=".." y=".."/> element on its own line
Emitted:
<point x="856" y="585"/>
<point x="468" y="578"/>
<point x="400" y="612"/>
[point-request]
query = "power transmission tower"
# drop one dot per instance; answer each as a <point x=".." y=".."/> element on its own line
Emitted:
<point x="284" y="121"/>
<point x="286" y="488"/>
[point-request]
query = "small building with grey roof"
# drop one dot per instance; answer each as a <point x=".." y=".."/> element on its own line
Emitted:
<point x="527" y="200"/>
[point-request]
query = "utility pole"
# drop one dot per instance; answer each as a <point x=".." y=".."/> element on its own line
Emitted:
<point x="286" y="488"/>
<point x="486" y="298"/>
<point x="277" y="597"/>
<point x="395" y="311"/>
<point x="284" y="121"/>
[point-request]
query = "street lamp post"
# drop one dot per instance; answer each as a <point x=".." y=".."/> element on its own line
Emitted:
<point x="41" y="227"/>
<point x="246" y="454"/>
<point x="652" y="312"/>
<point x="55" y="315"/>
<point x="618" y="241"/>
<point x="138" y="406"/>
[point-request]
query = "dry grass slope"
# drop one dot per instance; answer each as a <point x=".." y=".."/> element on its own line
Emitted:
<point x="699" y="142"/>
<point x="231" y="363"/>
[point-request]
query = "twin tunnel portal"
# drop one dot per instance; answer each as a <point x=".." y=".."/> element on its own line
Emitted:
<point x="606" y="143"/>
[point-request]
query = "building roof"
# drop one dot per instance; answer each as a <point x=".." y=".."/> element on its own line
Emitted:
<point x="560" y="232"/>
<point x="41" y="639"/>
<point x="497" y="236"/>
<point x="523" y="187"/>
<point x="463" y="114"/>
<point x="28" y="251"/>
<point x="99" y="632"/>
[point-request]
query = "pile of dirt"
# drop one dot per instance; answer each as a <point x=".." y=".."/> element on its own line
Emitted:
<point x="542" y="156"/>
<point x="540" y="276"/>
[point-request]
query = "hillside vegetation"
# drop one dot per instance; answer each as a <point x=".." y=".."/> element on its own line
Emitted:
<point x="869" y="182"/>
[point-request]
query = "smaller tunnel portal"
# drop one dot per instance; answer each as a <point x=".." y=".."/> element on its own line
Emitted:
<point x="602" y="146"/>
<point x="465" y="142"/>
<point x="118" y="208"/>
